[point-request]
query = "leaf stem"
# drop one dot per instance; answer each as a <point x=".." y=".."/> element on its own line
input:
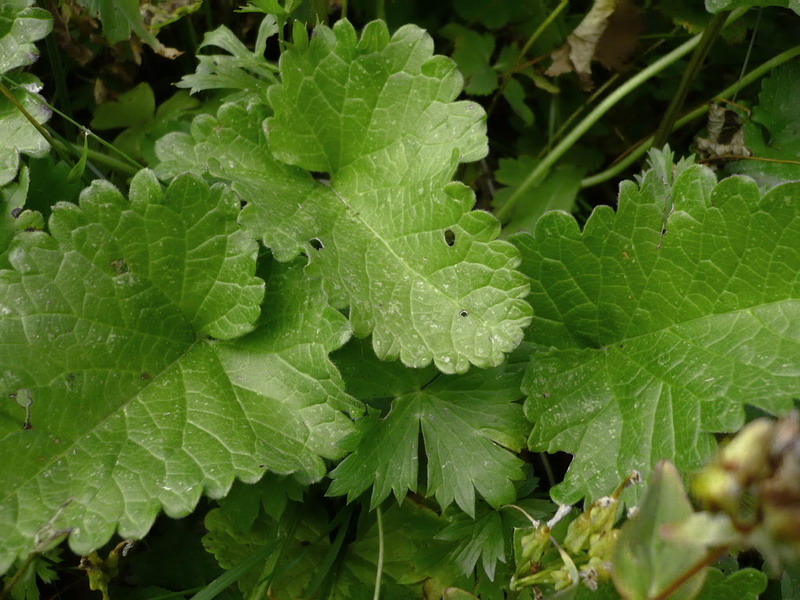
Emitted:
<point x="69" y="119"/>
<point x="645" y="145"/>
<point x="379" y="569"/>
<point x="18" y="575"/>
<point x="701" y="564"/>
<point x="540" y="171"/>
<point x="708" y="37"/>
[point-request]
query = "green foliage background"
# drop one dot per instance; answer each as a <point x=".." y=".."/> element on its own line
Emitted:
<point x="384" y="248"/>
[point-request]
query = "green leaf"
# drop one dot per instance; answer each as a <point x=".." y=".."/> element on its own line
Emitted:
<point x="774" y="132"/>
<point x="379" y="230"/>
<point x="746" y="584"/>
<point x="557" y="192"/>
<point x="467" y="422"/>
<point x="714" y="6"/>
<point x="120" y="18"/>
<point x="645" y="564"/>
<point x="12" y="201"/>
<point x="650" y="339"/>
<point x="135" y="112"/>
<point x="21" y="24"/>
<point x="514" y="93"/>
<point x="17" y="134"/>
<point x="473" y="53"/>
<point x="105" y="326"/>
<point x="242" y="70"/>
<point x="479" y="539"/>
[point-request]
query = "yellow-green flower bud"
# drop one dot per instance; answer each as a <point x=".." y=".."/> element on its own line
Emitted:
<point x="747" y="454"/>
<point x="535" y="544"/>
<point x="562" y="578"/>
<point x="718" y="489"/>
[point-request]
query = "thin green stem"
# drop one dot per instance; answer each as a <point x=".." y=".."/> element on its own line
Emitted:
<point x="344" y="9"/>
<point x="109" y="161"/>
<point x="644" y="146"/>
<point x="17" y="576"/>
<point x="69" y="119"/>
<point x="540" y="171"/>
<point x="379" y="569"/>
<point x="576" y="113"/>
<point x="38" y="126"/>
<point x="707" y="40"/>
<point x="749" y="48"/>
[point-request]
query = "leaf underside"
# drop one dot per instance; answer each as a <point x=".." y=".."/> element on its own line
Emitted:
<point x="649" y="342"/>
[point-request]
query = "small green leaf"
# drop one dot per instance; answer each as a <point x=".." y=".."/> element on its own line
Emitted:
<point x="21" y="24"/>
<point x="249" y="73"/>
<point x="515" y="94"/>
<point x="745" y="584"/>
<point x="645" y="564"/>
<point x="773" y="132"/>
<point x="466" y="421"/>
<point x="17" y="133"/>
<point x="480" y="538"/>
<point x="77" y="171"/>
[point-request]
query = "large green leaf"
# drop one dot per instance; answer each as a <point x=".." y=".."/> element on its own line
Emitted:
<point x="125" y="403"/>
<point x="467" y="421"/>
<point x="21" y="24"/>
<point x="655" y="324"/>
<point x="392" y="237"/>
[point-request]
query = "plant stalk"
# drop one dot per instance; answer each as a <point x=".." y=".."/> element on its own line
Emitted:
<point x="540" y="171"/>
<point x="708" y="37"/>
<point x="645" y="145"/>
<point x="379" y="570"/>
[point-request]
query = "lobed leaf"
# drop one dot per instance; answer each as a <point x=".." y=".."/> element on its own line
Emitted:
<point x="124" y="404"/>
<point x="467" y="422"/>
<point x="392" y="237"/>
<point x="657" y="323"/>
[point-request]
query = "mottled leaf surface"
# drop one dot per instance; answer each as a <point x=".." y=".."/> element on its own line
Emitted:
<point x="650" y="339"/>
<point x="127" y="399"/>
<point x="355" y="170"/>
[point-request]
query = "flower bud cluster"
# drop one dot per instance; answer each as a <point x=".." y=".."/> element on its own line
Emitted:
<point x="755" y="480"/>
<point x="585" y="552"/>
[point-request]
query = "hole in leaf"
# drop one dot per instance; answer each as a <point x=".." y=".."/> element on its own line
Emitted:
<point x="463" y="313"/>
<point x="449" y="237"/>
<point x="120" y="266"/>
<point x="316" y="243"/>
